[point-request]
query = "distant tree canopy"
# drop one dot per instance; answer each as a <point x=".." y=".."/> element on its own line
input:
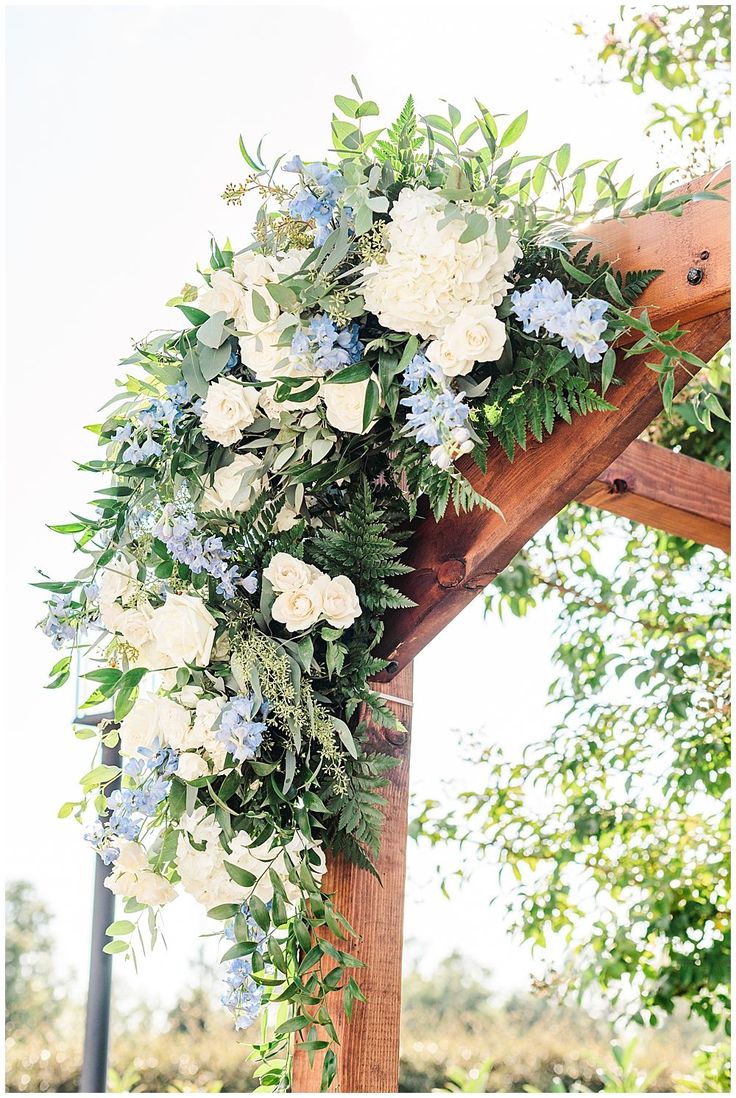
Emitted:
<point x="29" y="970"/>
<point x="613" y="832"/>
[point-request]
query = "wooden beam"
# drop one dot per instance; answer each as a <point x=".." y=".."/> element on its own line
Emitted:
<point x="697" y="245"/>
<point x="368" y="1057"/>
<point x="457" y="558"/>
<point x="668" y="491"/>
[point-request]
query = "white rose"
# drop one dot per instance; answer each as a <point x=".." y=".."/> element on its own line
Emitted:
<point x="135" y="625"/>
<point x="252" y="269"/>
<point x="440" y="354"/>
<point x="286" y="519"/>
<point x="301" y="608"/>
<point x="290" y="263"/>
<point x="229" y="408"/>
<point x="232" y="489"/>
<point x="184" y="631"/>
<point x="477" y="334"/>
<point x="262" y="353"/>
<point x="344" y="406"/>
<point x="133" y="877"/>
<point x="154" y="718"/>
<point x="340" y="603"/>
<point x="287" y="573"/>
<point x="224" y="295"/>
<point x="111" y="613"/>
<point x="191" y="766"/>
<point x="119" y="580"/>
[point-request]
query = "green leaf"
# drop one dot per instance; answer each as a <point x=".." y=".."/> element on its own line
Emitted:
<point x="514" y="131"/>
<point x="122" y="926"/>
<point x="370" y="407"/>
<point x="359" y="372"/>
<point x="475" y="225"/>
<point x="212" y="331"/>
<point x="346" y="736"/>
<point x="240" y="876"/>
<point x="195" y="316"/>
<point x="608" y="369"/>
<point x="116" y="947"/>
<point x="224" y="911"/>
<point x="259" y="911"/>
<point x="261" y="310"/>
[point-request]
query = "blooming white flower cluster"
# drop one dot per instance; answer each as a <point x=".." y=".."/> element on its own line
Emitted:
<point x="187" y="725"/>
<point x="305" y="595"/>
<point x="431" y="285"/>
<point x="179" y="632"/>
<point x="134" y="877"/>
<point x="230" y="407"/>
<point x="203" y="872"/>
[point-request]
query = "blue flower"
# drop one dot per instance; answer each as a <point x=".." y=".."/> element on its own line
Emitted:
<point x="547" y="306"/>
<point x="239" y="729"/>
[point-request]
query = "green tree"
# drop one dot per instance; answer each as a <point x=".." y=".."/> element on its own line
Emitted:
<point x="613" y="832"/>
<point x="30" y="998"/>
<point x="679" y="58"/>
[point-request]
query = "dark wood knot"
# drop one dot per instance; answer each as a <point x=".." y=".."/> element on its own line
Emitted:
<point x="451" y="573"/>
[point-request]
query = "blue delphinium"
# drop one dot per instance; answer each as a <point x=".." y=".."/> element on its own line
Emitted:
<point x="241" y="726"/>
<point x="419" y="370"/>
<point x="324" y="347"/>
<point x="546" y="305"/>
<point x="60" y="623"/>
<point x="129" y="808"/>
<point x="178" y="531"/>
<point x="243" y="996"/>
<point x="317" y="198"/>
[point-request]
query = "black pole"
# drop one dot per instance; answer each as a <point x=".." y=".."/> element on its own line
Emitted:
<point x="93" y="1079"/>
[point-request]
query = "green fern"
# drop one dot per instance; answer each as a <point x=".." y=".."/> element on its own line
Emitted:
<point x="402" y="142"/>
<point x="358" y="813"/>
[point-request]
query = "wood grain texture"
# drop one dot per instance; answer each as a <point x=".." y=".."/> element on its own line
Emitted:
<point x="668" y="491"/>
<point x="369" y="1045"/>
<point x="699" y="240"/>
<point x="455" y="559"/>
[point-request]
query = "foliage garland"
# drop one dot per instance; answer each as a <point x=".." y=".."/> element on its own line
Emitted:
<point x="422" y="295"/>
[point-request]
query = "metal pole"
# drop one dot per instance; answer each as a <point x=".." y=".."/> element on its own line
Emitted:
<point x="93" y="1078"/>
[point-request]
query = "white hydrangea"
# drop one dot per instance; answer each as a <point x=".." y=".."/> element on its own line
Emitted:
<point x="428" y="278"/>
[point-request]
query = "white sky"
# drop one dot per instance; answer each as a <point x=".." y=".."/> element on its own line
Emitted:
<point x="122" y="132"/>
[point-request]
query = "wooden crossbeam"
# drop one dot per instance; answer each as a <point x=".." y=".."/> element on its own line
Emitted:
<point x="668" y="491"/>
<point x="455" y="559"/>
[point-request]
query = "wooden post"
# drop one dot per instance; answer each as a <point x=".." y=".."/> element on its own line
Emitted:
<point x="369" y="1045"/>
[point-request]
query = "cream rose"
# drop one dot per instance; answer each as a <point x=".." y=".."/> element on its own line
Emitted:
<point x="301" y="608"/>
<point x="477" y="334"/>
<point x="154" y="718"/>
<point x="344" y="406"/>
<point x="132" y="876"/>
<point x="440" y="354"/>
<point x="224" y="295"/>
<point x="232" y="489"/>
<point x="191" y="766"/>
<point x="340" y="603"/>
<point x="228" y="409"/>
<point x="287" y="573"/>
<point x="119" y="580"/>
<point x="183" y="631"/>
<point x="252" y="269"/>
<point x="135" y="625"/>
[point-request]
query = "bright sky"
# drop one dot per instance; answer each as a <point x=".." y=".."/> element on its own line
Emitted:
<point x="122" y="132"/>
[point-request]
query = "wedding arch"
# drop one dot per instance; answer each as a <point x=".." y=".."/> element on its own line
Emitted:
<point x="375" y="405"/>
<point x="599" y="461"/>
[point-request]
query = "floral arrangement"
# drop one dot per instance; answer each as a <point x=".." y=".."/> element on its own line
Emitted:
<point x="423" y="296"/>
